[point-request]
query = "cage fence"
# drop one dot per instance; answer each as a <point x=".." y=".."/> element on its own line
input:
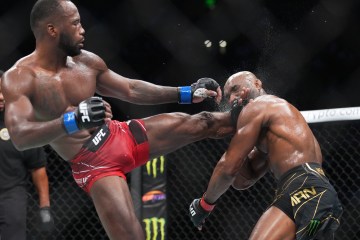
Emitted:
<point x="188" y="172"/>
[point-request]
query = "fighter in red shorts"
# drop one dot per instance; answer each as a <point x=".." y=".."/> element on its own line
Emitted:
<point x="113" y="150"/>
<point x="49" y="101"/>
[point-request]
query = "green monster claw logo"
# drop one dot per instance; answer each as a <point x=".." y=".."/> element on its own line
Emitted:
<point x="313" y="227"/>
<point x="155" y="228"/>
<point x="154" y="165"/>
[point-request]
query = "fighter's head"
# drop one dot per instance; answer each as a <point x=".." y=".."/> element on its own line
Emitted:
<point x="2" y="101"/>
<point x="58" y="21"/>
<point x="236" y="82"/>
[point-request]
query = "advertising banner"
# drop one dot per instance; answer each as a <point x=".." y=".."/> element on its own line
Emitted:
<point x="154" y="199"/>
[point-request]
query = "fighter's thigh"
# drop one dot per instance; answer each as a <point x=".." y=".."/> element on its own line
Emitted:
<point x="113" y="203"/>
<point x="274" y="224"/>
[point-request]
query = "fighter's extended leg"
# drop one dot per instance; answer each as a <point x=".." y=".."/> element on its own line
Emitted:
<point x="274" y="224"/>
<point x="170" y="131"/>
<point x="112" y="200"/>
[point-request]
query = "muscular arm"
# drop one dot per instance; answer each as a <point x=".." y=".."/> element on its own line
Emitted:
<point x="230" y="164"/>
<point x="40" y="180"/>
<point x="25" y="131"/>
<point x="111" y="84"/>
<point x="254" y="168"/>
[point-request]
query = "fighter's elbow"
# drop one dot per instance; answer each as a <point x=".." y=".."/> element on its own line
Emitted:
<point x="18" y="144"/>
<point x="242" y="183"/>
<point x="20" y="147"/>
<point x="17" y="139"/>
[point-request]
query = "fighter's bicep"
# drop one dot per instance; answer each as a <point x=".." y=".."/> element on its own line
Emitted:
<point x="111" y="84"/>
<point x="247" y="133"/>
<point x="18" y="110"/>
<point x="244" y="139"/>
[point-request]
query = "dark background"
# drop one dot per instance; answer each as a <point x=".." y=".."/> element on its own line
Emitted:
<point x="305" y="51"/>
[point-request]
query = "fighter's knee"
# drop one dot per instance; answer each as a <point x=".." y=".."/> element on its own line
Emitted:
<point x="126" y="228"/>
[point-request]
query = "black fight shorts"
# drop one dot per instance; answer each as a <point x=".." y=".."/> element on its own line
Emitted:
<point x="305" y="194"/>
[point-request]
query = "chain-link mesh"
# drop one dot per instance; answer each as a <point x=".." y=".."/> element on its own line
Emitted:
<point x="74" y="213"/>
<point x="188" y="172"/>
<point x="236" y="213"/>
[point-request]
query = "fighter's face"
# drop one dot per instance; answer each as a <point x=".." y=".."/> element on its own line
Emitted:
<point x="71" y="37"/>
<point x="232" y="91"/>
<point x="242" y="85"/>
<point x="70" y="46"/>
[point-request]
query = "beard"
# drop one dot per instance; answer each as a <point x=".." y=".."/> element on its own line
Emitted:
<point x="67" y="45"/>
<point x="254" y="93"/>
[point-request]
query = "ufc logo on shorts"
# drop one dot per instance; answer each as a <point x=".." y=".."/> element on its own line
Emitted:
<point x="83" y="110"/>
<point x="98" y="137"/>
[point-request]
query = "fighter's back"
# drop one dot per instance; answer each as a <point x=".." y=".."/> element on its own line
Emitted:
<point x="285" y="136"/>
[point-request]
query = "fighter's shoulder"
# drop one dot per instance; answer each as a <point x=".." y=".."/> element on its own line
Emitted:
<point x="269" y="100"/>
<point x="271" y="107"/>
<point x="20" y="71"/>
<point x="260" y="102"/>
<point x="262" y="105"/>
<point x="90" y="59"/>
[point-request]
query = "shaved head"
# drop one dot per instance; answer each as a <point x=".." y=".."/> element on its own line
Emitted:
<point x="44" y="10"/>
<point x="245" y="79"/>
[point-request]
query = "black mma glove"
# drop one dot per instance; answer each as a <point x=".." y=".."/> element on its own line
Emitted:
<point x="236" y="108"/>
<point x="199" y="210"/>
<point x="90" y="113"/>
<point x="198" y="89"/>
<point x="45" y="220"/>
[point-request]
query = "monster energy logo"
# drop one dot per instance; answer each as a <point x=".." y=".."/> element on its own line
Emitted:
<point x="313" y="227"/>
<point x="155" y="164"/>
<point x="155" y="228"/>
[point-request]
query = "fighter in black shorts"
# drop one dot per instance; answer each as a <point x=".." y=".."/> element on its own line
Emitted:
<point x="273" y="135"/>
<point x="305" y="194"/>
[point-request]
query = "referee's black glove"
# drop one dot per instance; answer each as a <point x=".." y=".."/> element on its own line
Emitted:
<point x="45" y="220"/>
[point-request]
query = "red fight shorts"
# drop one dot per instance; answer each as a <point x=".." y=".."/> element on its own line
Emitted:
<point x="113" y="150"/>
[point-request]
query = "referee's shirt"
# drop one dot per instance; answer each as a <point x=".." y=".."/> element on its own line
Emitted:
<point x="14" y="164"/>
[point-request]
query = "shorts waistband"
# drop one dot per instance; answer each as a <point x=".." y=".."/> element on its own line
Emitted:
<point x="313" y="168"/>
<point x="102" y="133"/>
<point x="97" y="139"/>
<point x="138" y="130"/>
